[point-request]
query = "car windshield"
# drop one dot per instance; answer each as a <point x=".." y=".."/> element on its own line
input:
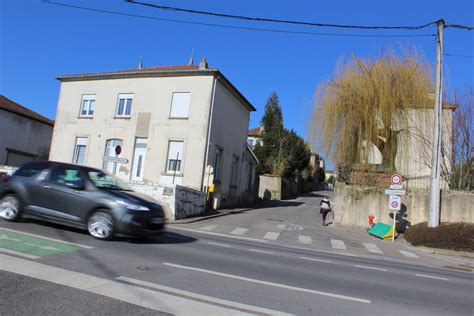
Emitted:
<point x="107" y="181"/>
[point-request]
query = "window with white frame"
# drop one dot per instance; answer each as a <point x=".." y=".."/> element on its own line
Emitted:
<point x="217" y="163"/>
<point x="87" y="105"/>
<point x="233" y="175"/>
<point x="175" y="156"/>
<point x="80" y="150"/>
<point x="124" y="106"/>
<point x="180" y="105"/>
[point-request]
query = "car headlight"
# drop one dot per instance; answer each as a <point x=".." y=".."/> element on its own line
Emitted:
<point x="132" y="206"/>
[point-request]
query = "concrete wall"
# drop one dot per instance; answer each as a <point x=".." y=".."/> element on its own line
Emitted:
<point x="352" y="206"/>
<point x="177" y="201"/>
<point x="150" y="119"/>
<point x="270" y="187"/>
<point x="25" y="135"/>
<point x="230" y="121"/>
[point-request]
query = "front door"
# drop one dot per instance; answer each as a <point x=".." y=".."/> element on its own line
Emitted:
<point x="139" y="159"/>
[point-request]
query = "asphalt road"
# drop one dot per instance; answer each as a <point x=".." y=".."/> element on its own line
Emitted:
<point x="189" y="272"/>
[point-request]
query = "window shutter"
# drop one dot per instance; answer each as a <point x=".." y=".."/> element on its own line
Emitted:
<point x="180" y="104"/>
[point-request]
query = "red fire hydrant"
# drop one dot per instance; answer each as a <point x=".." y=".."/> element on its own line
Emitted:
<point x="371" y="221"/>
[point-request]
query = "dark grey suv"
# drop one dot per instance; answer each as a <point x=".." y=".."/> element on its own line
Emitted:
<point x="81" y="197"/>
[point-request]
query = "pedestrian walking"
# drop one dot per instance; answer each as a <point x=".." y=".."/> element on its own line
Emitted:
<point x="325" y="209"/>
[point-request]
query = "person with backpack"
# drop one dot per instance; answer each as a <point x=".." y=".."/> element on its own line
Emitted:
<point x="325" y="209"/>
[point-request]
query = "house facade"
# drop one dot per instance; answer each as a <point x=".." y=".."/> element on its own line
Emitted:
<point x="254" y="136"/>
<point x="24" y="134"/>
<point x="174" y="125"/>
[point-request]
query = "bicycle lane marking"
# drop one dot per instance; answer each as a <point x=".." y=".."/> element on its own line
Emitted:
<point x="33" y="245"/>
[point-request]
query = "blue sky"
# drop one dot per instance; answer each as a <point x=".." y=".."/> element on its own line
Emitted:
<point x="40" y="41"/>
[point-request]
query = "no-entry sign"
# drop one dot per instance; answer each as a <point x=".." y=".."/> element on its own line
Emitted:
<point x="394" y="202"/>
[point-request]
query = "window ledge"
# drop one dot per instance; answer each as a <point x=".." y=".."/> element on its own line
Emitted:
<point x="87" y="117"/>
<point x="178" y="118"/>
<point x="172" y="174"/>
<point x="123" y="117"/>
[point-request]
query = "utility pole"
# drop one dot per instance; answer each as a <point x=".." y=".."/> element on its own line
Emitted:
<point x="438" y="111"/>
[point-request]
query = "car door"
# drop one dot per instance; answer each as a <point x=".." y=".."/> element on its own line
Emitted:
<point x="64" y="196"/>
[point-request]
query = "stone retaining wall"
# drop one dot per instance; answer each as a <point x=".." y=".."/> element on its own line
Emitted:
<point x="352" y="205"/>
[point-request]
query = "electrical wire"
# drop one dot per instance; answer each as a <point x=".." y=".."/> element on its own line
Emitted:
<point x="234" y="26"/>
<point x="458" y="26"/>
<point x="240" y="17"/>
<point x="457" y="55"/>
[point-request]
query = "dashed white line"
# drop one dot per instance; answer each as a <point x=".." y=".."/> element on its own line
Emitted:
<point x="408" y="254"/>
<point x="372" y="248"/>
<point x="218" y="234"/>
<point x="313" y="259"/>
<point x="212" y="300"/>
<point x="207" y="227"/>
<point x="282" y="286"/>
<point x="370" y="268"/>
<point x="431" y="277"/>
<point x="304" y="239"/>
<point x="271" y="236"/>
<point x="218" y="244"/>
<point x="239" y="231"/>
<point x="338" y="244"/>
<point x="261" y="251"/>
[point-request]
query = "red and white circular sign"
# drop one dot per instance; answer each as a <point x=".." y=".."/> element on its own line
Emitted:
<point x="396" y="179"/>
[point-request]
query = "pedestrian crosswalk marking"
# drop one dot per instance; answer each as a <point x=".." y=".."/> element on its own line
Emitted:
<point x="271" y="236"/>
<point x="408" y="254"/>
<point x="304" y="239"/>
<point x="208" y="227"/>
<point x="338" y="244"/>
<point x="372" y="248"/>
<point x="239" y="231"/>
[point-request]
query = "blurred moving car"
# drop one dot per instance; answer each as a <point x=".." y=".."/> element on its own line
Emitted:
<point x="81" y="197"/>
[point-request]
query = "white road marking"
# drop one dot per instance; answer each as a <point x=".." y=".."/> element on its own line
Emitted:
<point x="271" y="236"/>
<point x="47" y="238"/>
<point x="313" y="259"/>
<point x="17" y="253"/>
<point x="338" y="244"/>
<point x="408" y="254"/>
<point x="239" y="231"/>
<point x="261" y="251"/>
<point x="5" y="237"/>
<point x="140" y="296"/>
<point x="372" y="248"/>
<point x="304" y="239"/>
<point x="283" y="286"/>
<point x="201" y="297"/>
<point x="43" y="247"/>
<point x="371" y="268"/>
<point x="431" y="277"/>
<point x="220" y="235"/>
<point x="208" y="227"/>
<point x="218" y="244"/>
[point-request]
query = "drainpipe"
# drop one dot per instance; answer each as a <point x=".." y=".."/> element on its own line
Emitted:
<point x="209" y="123"/>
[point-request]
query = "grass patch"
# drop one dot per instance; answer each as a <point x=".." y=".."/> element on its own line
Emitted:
<point x="452" y="236"/>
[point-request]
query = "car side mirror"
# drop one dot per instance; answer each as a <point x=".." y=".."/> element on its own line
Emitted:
<point x="76" y="185"/>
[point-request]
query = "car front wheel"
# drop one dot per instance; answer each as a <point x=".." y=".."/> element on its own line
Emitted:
<point x="10" y="208"/>
<point x="101" y="225"/>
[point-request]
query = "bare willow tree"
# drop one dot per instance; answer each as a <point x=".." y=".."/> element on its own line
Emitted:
<point x="363" y="108"/>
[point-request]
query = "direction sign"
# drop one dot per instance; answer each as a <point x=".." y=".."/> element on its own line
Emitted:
<point x="395" y="192"/>
<point x="396" y="179"/>
<point x="115" y="159"/>
<point x="396" y="186"/>
<point x="394" y="202"/>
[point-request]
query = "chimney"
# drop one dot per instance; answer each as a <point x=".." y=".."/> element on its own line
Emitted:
<point x="140" y="64"/>
<point x="203" y="64"/>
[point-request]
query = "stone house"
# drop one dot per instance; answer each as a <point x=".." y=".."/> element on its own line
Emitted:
<point x="159" y="126"/>
<point x="24" y="134"/>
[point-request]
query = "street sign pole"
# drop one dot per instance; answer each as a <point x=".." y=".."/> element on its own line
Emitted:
<point x="394" y="224"/>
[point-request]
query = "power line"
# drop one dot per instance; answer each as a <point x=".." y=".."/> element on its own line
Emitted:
<point x="233" y="26"/>
<point x="457" y="55"/>
<point x="458" y="26"/>
<point x="241" y="17"/>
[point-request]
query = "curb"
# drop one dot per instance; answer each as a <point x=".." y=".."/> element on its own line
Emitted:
<point x="198" y="219"/>
<point x="440" y="251"/>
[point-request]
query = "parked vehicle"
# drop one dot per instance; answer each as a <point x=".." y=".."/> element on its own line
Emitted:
<point x="81" y="197"/>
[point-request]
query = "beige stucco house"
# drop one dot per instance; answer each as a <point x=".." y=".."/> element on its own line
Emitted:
<point x="184" y="125"/>
<point x="24" y="134"/>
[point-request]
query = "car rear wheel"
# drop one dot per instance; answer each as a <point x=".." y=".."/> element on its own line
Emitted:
<point x="101" y="225"/>
<point x="10" y="208"/>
